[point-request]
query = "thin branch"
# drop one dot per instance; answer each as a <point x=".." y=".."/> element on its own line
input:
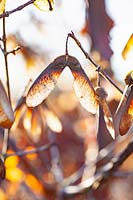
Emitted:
<point x="6" y="133"/>
<point x="66" y="49"/>
<point x="74" y="177"/>
<point x="14" y="50"/>
<point x="56" y="167"/>
<point x="106" y="152"/>
<point x="7" y="13"/>
<point x="50" y="5"/>
<point x="24" y="153"/>
<point x="102" y="72"/>
<point x="19" y="8"/>
<point x="117" y="162"/>
<point x="32" y="169"/>
<point x="102" y="175"/>
<point x="5" y="58"/>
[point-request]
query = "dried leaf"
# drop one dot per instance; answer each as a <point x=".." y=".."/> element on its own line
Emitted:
<point x="128" y="47"/>
<point x="2" y="6"/>
<point x="124" y="112"/>
<point x="6" y="112"/>
<point x="101" y="94"/>
<point x="45" y="83"/>
<point x="44" y="5"/>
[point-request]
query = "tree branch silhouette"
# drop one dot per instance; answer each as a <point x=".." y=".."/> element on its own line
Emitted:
<point x="102" y="175"/>
<point x="99" y="68"/>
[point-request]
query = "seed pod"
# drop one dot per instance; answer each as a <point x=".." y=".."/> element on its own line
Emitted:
<point x="124" y="113"/>
<point x="82" y="86"/>
<point x="45" y="82"/>
<point x="102" y="95"/>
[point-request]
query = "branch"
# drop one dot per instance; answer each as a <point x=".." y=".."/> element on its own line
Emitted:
<point x="23" y="153"/>
<point x="56" y="167"/>
<point x="6" y="134"/>
<point x="105" y="172"/>
<point x="98" y="68"/>
<point x="19" y="8"/>
<point x="7" y="13"/>
<point x="106" y="152"/>
<point x="5" y="58"/>
<point x="14" y="50"/>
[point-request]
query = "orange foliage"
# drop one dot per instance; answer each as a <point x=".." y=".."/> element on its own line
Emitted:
<point x="33" y="183"/>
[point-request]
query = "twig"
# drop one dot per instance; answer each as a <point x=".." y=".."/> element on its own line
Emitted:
<point x="29" y="191"/>
<point x="103" y="153"/>
<point x="123" y="156"/>
<point x="123" y="174"/>
<point x="24" y="153"/>
<point x="5" y="58"/>
<point x="50" y="5"/>
<point x="33" y="170"/>
<point x="102" y="175"/>
<point x="14" y="50"/>
<point x="74" y="177"/>
<point x="7" y="13"/>
<point x="6" y="134"/>
<point x="99" y="68"/>
<point x="19" y="8"/>
<point x="55" y="159"/>
<point x="66" y="48"/>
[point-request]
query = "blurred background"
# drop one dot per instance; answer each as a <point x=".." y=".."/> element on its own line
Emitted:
<point x="103" y="28"/>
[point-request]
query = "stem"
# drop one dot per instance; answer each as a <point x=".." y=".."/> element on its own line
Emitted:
<point x="7" y="13"/>
<point x="101" y="71"/>
<point x="6" y="133"/>
<point x="5" y="58"/>
<point x="66" y="49"/>
<point x="24" y="153"/>
<point x="50" y="5"/>
<point x="56" y="167"/>
<point x="101" y="176"/>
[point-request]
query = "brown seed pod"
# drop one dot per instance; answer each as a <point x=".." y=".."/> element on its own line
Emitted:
<point x="45" y="82"/>
<point x="82" y="86"/>
<point x="124" y="113"/>
<point x="101" y="96"/>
